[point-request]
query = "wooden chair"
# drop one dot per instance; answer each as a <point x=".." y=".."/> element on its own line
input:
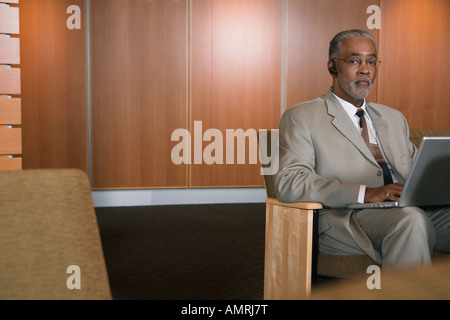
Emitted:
<point x="50" y="245"/>
<point x="291" y="259"/>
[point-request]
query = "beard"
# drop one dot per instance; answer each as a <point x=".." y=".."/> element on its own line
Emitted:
<point x="358" y="89"/>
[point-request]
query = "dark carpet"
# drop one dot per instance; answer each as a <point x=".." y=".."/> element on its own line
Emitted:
<point x="189" y="252"/>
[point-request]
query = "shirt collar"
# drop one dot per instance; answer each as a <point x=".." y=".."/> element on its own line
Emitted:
<point x="349" y="108"/>
<point x="351" y="111"/>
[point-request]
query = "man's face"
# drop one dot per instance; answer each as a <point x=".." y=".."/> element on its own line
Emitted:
<point x="354" y="81"/>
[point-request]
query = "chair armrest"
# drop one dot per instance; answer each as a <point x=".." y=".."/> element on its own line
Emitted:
<point x="298" y="205"/>
<point x="289" y="259"/>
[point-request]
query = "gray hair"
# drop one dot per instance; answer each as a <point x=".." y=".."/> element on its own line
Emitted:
<point x="336" y="42"/>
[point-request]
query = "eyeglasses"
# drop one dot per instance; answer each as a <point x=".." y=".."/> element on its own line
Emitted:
<point x="356" y="62"/>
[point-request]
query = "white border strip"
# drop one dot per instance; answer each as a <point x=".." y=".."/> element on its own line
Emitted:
<point x="135" y="198"/>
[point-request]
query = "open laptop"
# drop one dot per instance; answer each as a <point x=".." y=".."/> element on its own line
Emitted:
<point x="429" y="181"/>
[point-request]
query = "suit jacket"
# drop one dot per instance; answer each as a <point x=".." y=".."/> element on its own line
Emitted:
<point x="324" y="159"/>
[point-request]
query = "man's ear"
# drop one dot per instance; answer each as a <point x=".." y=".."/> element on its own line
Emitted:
<point x="332" y="68"/>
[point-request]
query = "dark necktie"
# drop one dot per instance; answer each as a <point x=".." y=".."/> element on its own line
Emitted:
<point x="374" y="148"/>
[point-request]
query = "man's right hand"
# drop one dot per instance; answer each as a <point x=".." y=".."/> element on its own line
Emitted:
<point x="390" y="192"/>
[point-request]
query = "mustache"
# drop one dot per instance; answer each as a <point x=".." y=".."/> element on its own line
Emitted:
<point x="363" y="79"/>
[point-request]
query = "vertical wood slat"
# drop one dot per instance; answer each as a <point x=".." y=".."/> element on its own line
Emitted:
<point x="10" y="112"/>
<point x="10" y="50"/>
<point x="9" y="20"/>
<point x="9" y="80"/>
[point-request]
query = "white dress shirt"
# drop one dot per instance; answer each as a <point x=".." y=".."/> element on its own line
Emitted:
<point x="351" y="111"/>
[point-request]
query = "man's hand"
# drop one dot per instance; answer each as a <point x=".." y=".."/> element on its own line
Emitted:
<point x="390" y="192"/>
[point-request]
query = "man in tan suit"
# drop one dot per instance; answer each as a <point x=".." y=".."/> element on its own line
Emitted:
<point x="323" y="158"/>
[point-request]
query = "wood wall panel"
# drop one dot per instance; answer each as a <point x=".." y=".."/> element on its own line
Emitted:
<point x="311" y="24"/>
<point x="139" y="92"/>
<point x="414" y="75"/>
<point x="235" y="79"/>
<point x="54" y="86"/>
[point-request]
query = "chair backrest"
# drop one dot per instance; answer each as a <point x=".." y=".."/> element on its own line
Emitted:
<point x="50" y="246"/>
<point x="265" y="149"/>
<point x="418" y="134"/>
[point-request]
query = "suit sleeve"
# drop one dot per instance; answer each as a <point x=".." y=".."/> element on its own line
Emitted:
<point x="297" y="179"/>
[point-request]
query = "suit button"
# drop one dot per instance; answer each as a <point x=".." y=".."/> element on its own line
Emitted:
<point x="379" y="173"/>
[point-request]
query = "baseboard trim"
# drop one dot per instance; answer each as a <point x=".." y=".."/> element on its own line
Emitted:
<point x="129" y="198"/>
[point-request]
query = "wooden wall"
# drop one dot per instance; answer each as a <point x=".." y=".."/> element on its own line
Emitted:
<point x="162" y="65"/>
<point x="10" y="101"/>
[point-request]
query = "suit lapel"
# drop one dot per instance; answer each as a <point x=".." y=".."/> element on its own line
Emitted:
<point x="344" y="125"/>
